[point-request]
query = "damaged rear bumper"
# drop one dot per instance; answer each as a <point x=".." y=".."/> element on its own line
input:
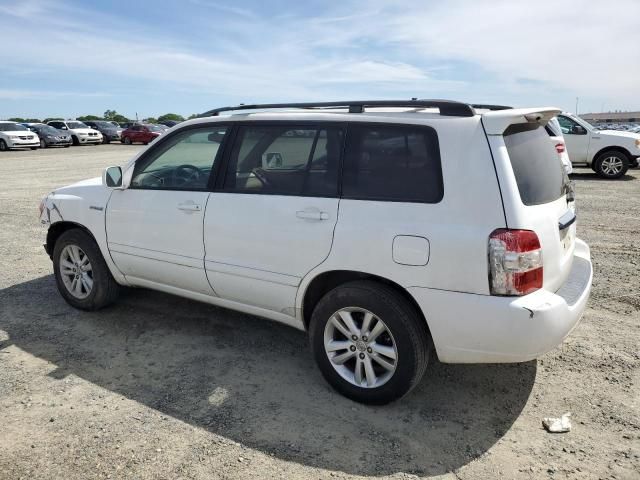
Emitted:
<point x="468" y="328"/>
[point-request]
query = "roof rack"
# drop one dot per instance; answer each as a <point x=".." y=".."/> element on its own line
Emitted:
<point x="482" y="106"/>
<point x="446" y="107"/>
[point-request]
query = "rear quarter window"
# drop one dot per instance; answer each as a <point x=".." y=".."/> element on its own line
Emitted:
<point x="398" y="163"/>
<point x="535" y="162"/>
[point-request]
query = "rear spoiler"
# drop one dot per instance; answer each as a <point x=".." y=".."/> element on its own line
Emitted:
<point x="497" y="121"/>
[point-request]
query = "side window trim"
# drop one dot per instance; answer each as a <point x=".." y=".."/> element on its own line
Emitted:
<point x="217" y="161"/>
<point x="232" y="136"/>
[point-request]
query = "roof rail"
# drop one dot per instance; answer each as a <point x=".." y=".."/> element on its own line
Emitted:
<point x="482" y="106"/>
<point x="446" y="107"/>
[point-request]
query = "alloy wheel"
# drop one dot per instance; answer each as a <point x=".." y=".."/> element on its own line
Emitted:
<point x="360" y="347"/>
<point x="611" y="166"/>
<point x="76" y="271"/>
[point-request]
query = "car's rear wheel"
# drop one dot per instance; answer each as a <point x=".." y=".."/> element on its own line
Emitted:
<point x="127" y="141"/>
<point x="82" y="276"/>
<point x="369" y="342"/>
<point x="612" y="164"/>
<point x="3" y="146"/>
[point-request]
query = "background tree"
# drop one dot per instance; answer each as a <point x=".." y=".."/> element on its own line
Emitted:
<point x="51" y="118"/>
<point x="171" y="116"/>
<point x="17" y="119"/>
<point x="85" y="118"/>
<point x="33" y="120"/>
<point x="114" y="116"/>
<point x="193" y="115"/>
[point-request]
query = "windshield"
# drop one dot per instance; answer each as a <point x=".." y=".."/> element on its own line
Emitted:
<point x="12" y="127"/>
<point x="46" y="130"/>
<point x="538" y="170"/>
<point x="76" y="125"/>
<point x="104" y="124"/>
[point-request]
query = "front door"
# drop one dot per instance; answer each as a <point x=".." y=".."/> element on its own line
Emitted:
<point x="576" y="139"/>
<point x="273" y="220"/>
<point x="154" y="227"/>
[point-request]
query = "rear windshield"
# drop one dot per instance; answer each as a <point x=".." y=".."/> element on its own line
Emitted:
<point x="536" y="164"/>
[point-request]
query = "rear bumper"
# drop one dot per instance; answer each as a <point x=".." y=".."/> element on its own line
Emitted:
<point x="468" y="328"/>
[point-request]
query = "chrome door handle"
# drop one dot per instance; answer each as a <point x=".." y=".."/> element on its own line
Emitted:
<point x="312" y="215"/>
<point x="189" y="207"/>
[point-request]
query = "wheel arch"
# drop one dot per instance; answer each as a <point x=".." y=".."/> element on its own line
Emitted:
<point x="328" y="280"/>
<point x="58" y="228"/>
<point x="611" y="148"/>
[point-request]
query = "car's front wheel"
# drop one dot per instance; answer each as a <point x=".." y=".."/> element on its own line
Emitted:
<point x="43" y="144"/>
<point x="612" y="164"/>
<point x="3" y="146"/>
<point x="127" y="141"/>
<point x="82" y="276"/>
<point x="75" y="140"/>
<point x="369" y="342"/>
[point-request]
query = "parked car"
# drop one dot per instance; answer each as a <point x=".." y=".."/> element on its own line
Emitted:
<point x="141" y="133"/>
<point x="608" y="153"/>
<point x="169" y="123"/>
<point x="50" y="136"/>
<point x="555" y="133"/>
<point x="80" y="133"/>
<point x="109" y="131"/>
<point x="383" y="232"/>
<point x="15" y="135"/>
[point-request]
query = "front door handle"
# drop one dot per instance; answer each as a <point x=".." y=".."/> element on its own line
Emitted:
<point x="189" y="207"/>
<point x="312" y="215"/>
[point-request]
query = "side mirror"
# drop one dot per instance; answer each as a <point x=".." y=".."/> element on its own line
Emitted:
<point x="578" y="130"/>
<point x="112" y="177"/>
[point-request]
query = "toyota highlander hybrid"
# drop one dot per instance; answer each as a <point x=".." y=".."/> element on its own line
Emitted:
<point x="387" y="230"/>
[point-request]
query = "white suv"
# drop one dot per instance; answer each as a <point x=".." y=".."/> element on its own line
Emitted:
<point x="385" y="229"/>
<point x="81" y="134"/>
<point x="609" y="153"/>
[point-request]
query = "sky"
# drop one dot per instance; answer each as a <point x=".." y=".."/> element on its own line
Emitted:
<point x="69" y="58"/>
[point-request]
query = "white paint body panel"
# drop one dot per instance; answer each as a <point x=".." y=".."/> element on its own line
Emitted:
<point x="258" y="249"/>
<point x="150" y="238"/>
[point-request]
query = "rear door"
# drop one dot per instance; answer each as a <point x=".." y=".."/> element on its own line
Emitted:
<point x="272" y="217"/>
<point x="534" y="187"/>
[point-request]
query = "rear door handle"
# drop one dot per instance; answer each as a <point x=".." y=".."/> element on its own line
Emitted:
<point x="189" y="207"/>
<point x="312" y="215"/>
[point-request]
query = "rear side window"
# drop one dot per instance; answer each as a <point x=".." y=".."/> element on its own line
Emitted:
<point x="536" y="166"/>
<point x="392" y="163"/>
<point x="285" y="160"/>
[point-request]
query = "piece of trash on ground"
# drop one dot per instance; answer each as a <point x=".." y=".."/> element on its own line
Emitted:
<point x="557" y="425"/>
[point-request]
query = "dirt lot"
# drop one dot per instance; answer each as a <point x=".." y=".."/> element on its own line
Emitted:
<point x="162" y="387"/>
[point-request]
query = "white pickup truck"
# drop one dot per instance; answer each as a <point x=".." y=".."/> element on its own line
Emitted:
<point x="608" y="153"/>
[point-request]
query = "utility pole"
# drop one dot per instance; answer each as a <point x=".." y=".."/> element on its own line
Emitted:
<point x="577" y="100"/>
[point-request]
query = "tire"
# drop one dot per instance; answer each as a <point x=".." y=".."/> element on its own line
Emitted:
<point x="611" y="164"/>
<point x="34" y="148"/>
<point x="127" y="141"/>
<point x="104" y="290"/>
<point x="3" y="146"/>
<point x="406" y="337"/>
<point x="67" y="146"/>
<point x="75" y="140"/>
<point x="43" y="144"/>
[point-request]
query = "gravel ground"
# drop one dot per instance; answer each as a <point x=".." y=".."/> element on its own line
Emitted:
<point x="163" y="387"/>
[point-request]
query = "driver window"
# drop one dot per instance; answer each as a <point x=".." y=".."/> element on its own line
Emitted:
<point x="183" y="162"/>
<point x="566" y="125"/>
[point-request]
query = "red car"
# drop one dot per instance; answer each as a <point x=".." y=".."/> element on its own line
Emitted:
<point x="143" y="133"/>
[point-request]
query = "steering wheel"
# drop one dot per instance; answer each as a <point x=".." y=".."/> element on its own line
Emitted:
<point x="259" y="173"/>
<point x="185" y="174"/>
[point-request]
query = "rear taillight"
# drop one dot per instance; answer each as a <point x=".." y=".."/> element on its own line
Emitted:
<point x="515" y="262"/>
<point x="560" y="148"/>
